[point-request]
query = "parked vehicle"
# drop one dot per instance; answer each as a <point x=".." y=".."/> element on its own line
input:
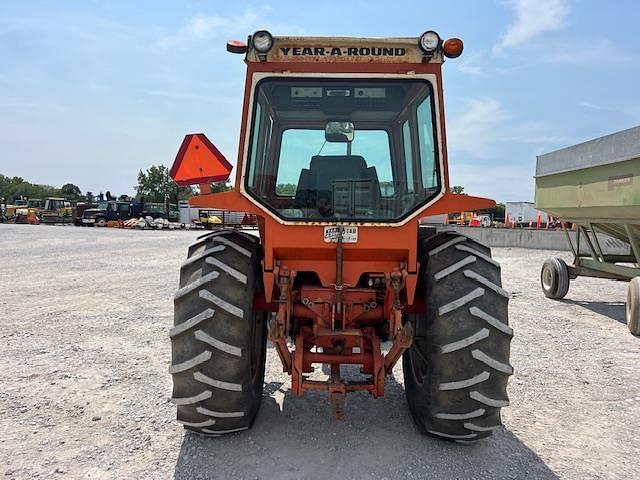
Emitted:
<point x="158" y="210"/>
<point x="339" y="264"/>
<point x="23" y="210"/>
<point x="523" y="214"/>
<point x="212" y="219"/>
<point x="595" y="185"/>
<point x="79" y="209"/>
<point x="186" y="214"/>
<point x="480" y="221"/>
<point x="109" y="211"/>
<point x="56" y="210"/>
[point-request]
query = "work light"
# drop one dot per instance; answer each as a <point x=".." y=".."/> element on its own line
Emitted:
<point x="429" y="41"/>
<point x="262" y="41"/>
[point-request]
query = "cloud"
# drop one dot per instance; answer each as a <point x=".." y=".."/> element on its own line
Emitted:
<point x="493" y="152"/>
<point x="474" y="131"/>
<point x="532" y="139"/>
<point x="485" y="124"/>
<point x="594" y="106"/>
<point x="533" y="17"/>
<point x="471" y="63"/>
<point x="201" y="26"/>
<point x="503" y="183"/>
<point x="591" y="53"/>
<point x="15" y="103"/>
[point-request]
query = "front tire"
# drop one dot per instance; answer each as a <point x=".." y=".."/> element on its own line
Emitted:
<point x="457" y="369"/>
<point x="218" y="342"/>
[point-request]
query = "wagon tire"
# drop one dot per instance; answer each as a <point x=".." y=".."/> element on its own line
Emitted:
<point x="218" y="341"/>
<point x="457" y="369"/>
<point x="554" y="278"/>
<point x="633" y="306"/>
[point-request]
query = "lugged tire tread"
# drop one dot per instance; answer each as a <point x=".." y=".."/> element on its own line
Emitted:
<point x="226" y="336"/>
<point x="459" y="305"/>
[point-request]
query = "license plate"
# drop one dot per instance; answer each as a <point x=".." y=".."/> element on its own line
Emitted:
<point x="349" y="234"/>
<point x="88" y="220"/>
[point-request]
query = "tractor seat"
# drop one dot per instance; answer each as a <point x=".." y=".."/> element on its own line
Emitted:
<point x="328" y="172"/>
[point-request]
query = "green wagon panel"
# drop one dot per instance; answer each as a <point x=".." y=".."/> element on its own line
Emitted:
<point x="601" y="193"/>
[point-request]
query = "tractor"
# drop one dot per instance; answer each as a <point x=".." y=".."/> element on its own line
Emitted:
<point x="342" y="151"/>
<point x="56" y="210"/>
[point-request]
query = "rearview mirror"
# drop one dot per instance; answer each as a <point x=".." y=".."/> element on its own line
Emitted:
<point x="338" y="132"/>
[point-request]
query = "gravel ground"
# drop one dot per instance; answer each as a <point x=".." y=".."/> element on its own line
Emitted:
<point x="84" y="387"/>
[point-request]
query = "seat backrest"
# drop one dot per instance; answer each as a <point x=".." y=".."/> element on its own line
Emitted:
<point x="324" y="171"/>
<point x="337" y="167"/>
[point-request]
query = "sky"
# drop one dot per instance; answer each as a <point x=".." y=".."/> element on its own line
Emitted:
<point x="92" y="91"/>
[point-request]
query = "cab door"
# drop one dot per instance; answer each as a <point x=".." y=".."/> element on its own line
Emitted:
<point x="124" y="211"/>
<point x="112" y="211"/>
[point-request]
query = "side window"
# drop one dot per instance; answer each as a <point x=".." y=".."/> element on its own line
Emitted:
<point x="427" y="145"/>
<point x="254" y="164"/>
<point x="408" y="156"/>
<point x="267" y="137"/>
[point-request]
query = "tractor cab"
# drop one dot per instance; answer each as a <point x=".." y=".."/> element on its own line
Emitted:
<point x="56" y="210"/>
<point x="53" y="204"/>
<point x="337" y="149"/>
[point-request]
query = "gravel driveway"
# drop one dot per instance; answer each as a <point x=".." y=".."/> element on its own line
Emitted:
<point x="84" y="352"/>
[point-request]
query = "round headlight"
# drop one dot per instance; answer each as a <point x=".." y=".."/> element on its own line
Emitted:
<point x="429" y="41"/>
<point x="262" y="41"/>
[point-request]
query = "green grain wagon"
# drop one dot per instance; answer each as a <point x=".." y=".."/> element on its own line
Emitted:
<point x="596" y="186"/>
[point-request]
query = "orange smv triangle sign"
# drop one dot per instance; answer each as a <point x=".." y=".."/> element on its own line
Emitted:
<point x="199" y="161"/>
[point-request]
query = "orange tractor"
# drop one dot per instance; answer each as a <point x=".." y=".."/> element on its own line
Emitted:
<point x="342" y="150"/>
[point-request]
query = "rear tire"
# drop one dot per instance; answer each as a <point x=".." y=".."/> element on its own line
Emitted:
<point x="633" y="306"/>
<point x="554" y="278"/>
<point x="457" y="369"/>
<point x="218" y="342"/>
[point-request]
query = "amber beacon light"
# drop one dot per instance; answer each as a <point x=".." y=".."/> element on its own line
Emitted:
<point x="452" y="47"/>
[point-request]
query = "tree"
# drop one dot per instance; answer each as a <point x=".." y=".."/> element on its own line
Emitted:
<point x="13" y="188"/>
<point x="497" y="212"/>
<point x="458" y="190"/>
<point x="286" y="189"/>
<point x="155" y="184"/>
<point x="218" y="187"/>
<point x="70" y="192"/>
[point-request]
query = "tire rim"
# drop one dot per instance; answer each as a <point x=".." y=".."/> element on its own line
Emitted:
<point x="547" y="278"/>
